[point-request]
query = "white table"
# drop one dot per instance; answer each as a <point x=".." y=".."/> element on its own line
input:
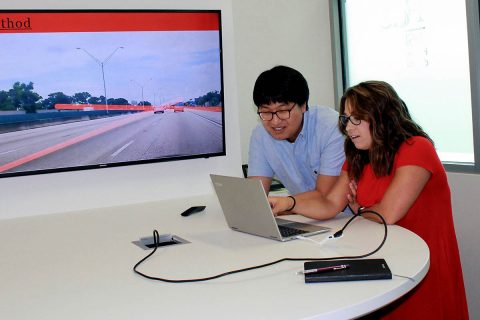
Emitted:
<point x="79" y="266"/>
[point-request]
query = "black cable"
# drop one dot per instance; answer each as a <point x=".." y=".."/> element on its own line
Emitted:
<point x="361" y="212"/>
<point x="337" y="234"/>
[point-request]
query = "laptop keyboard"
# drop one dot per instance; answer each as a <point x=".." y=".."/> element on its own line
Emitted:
<point x="289" y="231"/>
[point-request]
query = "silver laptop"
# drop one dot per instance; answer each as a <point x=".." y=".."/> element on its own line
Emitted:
<point x="246" y="209"/>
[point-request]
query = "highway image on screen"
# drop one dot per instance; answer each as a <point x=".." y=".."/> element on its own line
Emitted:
<point x="77" y="99"/>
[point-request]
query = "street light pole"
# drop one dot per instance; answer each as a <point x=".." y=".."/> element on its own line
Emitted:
<point x="102" y="65"/>
<point x="154" y="97"/>
<point x="141" y="86"/>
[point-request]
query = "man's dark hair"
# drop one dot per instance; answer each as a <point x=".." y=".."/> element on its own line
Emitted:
<point x="280" y="84"/>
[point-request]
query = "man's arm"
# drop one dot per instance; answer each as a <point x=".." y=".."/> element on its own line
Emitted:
<point x="313" y="205"/>
<point x="257" y="160"/>
<point x="323" y="187"/>
<point x="266" y="181"/>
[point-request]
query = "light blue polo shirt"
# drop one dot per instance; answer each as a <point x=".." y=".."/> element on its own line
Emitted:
<point x="318" y="150"/>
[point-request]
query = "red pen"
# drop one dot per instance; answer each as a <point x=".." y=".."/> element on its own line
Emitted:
<point x="324" y="269"/>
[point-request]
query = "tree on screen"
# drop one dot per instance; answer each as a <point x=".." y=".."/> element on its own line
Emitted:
<point x="23" y="97"/>
<point x="54" y="98"/>
<point x="81" y="97"/>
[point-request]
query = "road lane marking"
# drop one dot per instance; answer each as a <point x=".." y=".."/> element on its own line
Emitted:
<point x="121" y="149"/>
<point x="73" y="141"/>
<point x="10" y="151"/>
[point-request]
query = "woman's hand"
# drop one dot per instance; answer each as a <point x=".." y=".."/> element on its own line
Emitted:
<point x="279" y="205"/>
<point x="352" y="196"/>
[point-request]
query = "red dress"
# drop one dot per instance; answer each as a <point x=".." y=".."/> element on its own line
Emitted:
<point x="441" y="294"/>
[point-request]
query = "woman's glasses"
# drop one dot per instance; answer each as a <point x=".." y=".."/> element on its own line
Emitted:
<point x="344" y="120"/>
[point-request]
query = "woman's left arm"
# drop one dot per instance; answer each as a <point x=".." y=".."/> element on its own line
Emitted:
<point x="406" y="186"/>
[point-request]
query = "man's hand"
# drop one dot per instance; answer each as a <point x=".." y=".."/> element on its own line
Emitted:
<point x="279" y="205"/>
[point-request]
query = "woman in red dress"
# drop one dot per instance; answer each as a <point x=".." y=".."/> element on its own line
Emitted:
<point x="392" y="168"/>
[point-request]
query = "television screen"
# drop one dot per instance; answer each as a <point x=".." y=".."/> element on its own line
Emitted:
<point x="90" y="89"/>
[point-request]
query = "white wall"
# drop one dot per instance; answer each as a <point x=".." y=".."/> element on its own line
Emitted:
<point x="58" y="192"/>
<point x="465" y="198"/>
<point x="273" y="32"/>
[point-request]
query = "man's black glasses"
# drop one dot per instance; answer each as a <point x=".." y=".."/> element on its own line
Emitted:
<point x="344" y="120"/>
<point x="281" y="114"/>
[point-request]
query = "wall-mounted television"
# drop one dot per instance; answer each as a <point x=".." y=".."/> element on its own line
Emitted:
<point x="84" y="89"/>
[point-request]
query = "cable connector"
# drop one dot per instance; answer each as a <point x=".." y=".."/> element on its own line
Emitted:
<point x="338" y="234"/>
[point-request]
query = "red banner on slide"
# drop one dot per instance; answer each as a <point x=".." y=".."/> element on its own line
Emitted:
<point x="33" y="22"/>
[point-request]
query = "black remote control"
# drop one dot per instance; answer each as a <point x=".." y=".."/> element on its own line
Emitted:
<point x="192" y="210"/>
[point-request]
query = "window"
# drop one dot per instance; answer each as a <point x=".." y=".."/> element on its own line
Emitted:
<point x="428" y="51"/>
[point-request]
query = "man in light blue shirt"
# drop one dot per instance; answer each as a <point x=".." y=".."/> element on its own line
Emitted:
<point x="300" y="146"/>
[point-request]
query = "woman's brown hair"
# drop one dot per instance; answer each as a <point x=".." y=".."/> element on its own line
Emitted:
<point x="390" y="125"/>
